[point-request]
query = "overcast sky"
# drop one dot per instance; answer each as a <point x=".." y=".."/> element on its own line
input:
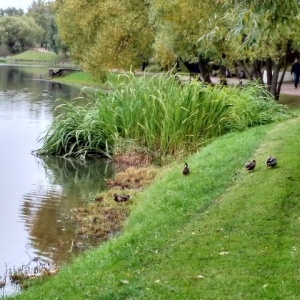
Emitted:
<point x="15" y="3"/>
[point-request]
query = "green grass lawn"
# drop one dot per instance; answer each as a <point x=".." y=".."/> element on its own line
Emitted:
<point x="84" y="79"/>
<point x="219" y="233"/>
<point x="37" y="55"/>
<point x="79" y="78"/>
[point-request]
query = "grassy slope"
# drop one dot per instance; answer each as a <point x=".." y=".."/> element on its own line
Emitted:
<point x="37" y="55"/>
<point x="238" y="230"/>
<point x="84" y="79"/>
<point x="79" y="78"/>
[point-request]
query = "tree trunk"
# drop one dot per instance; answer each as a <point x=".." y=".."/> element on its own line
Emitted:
<point x="278" y="89"/>
<point x="204" y="70"/>
<point x="284" y="64"/>
<point x="276" y="82"/>
<point x="243" y="66"/>
<point x="269" y="65"/>
<point x="256" y="72"/>
<point x="223" y="80"/>
<point x="275" y="75"/>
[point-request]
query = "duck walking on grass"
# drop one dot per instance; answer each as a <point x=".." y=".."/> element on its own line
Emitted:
<point x="271" y="162"/>
<point x="186" y="170"/>
<point x="121" y="197"/>
<point x="250" y="165"/>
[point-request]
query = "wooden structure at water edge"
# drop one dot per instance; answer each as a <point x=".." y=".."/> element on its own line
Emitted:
<point x="61" y="71"/>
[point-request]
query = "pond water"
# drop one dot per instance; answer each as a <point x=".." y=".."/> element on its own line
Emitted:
<point x="37" y="194"/>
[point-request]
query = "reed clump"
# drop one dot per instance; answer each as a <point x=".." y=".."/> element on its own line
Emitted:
<point x="159" y="116"/>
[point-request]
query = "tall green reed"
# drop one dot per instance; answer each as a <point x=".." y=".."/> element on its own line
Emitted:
<point x="158" y="115"/>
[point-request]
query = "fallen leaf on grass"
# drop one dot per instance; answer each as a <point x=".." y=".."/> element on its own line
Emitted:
<point x="224" y="253"/>
<point x="124" y="281"/>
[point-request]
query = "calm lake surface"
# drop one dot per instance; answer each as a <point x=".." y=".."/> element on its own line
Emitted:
<point x="37" y="194"/>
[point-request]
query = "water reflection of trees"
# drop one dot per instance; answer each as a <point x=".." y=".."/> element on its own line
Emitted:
<point x="46" y="220"/>
<point x="35" y="80"/>
<point x="52" y="85"/>
<point x="16" y="77"/>
<point x="77" y="177"/>
<point x="46" y="208"/>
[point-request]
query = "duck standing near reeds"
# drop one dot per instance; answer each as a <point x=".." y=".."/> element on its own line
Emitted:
<point x="271" y="162"/>
<point x="186" y="170"/>
<point x="250" y="165"/>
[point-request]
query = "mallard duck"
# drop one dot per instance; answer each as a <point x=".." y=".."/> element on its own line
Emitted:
<point x="271" y="162"/>
<point x="250" y="165"/>
<point x="121" y="197"/>
<point x="186" y="170"/>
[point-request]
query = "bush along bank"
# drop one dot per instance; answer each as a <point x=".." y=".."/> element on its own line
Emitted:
<point x="159" y="117"/>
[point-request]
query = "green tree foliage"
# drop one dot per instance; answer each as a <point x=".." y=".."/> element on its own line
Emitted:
<point x="53" y="39"/>
<point x="178" y="27"/>
<point x="106" y="34"/>
<point x="18" y="32"/>
<point x="269" y="31"/>
<point x="43" y="12"/>
<point x="11" y="11"/>
<point x="236" y="33"/>
<point x="3" y="51"/>
<point x="261" y="19"/>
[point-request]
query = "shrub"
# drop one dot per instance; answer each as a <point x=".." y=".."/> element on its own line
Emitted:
<point x="160" y="115"/>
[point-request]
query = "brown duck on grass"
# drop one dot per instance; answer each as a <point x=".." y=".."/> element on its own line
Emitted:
<point x="271" y="162"/>
<point x="121" y="197"/>
<point x="186" y="170"/>
<point x="250" y="165"/>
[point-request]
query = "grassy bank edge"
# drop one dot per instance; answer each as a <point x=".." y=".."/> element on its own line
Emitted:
<point x="168" y="206"/>
<point x="35" y="55"/>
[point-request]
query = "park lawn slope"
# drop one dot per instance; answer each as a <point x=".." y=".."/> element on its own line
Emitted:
<point x="79" y="78"/>
<point x="219" y="233"/>
<point x="112" y="80"/>
<point x="38" y="55"/>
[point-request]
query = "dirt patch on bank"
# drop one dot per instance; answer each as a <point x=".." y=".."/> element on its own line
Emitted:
<point x="103" y="218"/>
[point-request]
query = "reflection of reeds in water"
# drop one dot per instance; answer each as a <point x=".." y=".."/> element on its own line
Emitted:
<point x="83" y="176"/>
<point x="46" y="208"/>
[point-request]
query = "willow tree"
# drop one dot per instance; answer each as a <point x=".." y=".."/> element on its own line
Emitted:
<point x="178" y="25"/>
<point x="105" y="34"/>
<point x="269" y="32"/>
<point x="18" y="32"/>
